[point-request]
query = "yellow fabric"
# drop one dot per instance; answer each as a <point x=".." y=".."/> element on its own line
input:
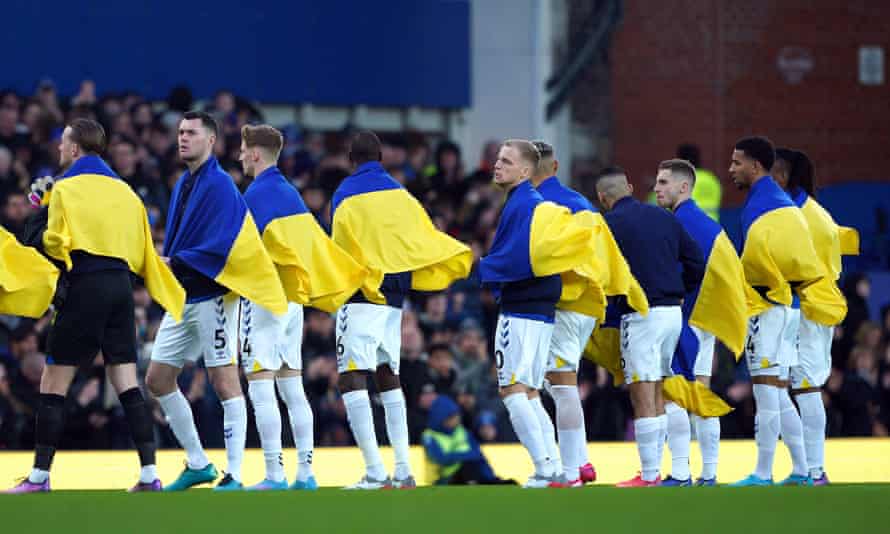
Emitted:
<point x="97" y="214"/>
<point x="721" y="305"/>
<point x="585" y="288"/>
<point x="707" y="193"/>
<point x="27" y="279"/>
<point x="849" y="238"/>
<point x="604" y="349"/>
<point x="823" y="302"/>
<point x="557" y="243"/>
<point x="694" y="397"/>
<point x="390" y="232"/>
<point x="776" y="252"/>
<point x="313" y="270"/>
<point x="249" y="271"/>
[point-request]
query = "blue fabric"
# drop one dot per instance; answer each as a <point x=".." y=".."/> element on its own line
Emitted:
<point x="89" y="164"/>
<point x="368" y="178"/>
<point x="202" y="236"/>
<point x="271" y="197"/>
<point x="650" y="239"/>
<point x="553" y="190"/>
<point x="765" y="196"/>
<point x="799" y="197"/>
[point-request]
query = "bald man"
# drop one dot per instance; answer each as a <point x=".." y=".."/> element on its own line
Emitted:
<point x="654" y="244"/>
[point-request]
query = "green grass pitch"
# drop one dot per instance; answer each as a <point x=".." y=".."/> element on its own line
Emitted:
<point x="837" y="509"/>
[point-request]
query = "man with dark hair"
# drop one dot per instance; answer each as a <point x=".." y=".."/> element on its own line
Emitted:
<point x="213" y="246"/>
<point x="715" y="309"/>
<point x="581" y="306"/>
<point x="523" y="267"/>
<point x="779" y="262"/>
<point x="651" y="240"/>
<point x="794" y="172"/>
<point x="708" y="191"/>
<point x="377" y="222"/>
<point x="97" y="231"/>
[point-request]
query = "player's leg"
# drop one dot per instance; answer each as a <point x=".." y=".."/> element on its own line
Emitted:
<point x="259" y="339"/>
<point x="806" y="381"/>
<point x="386" y="378"/>
<point x="707" y="429"/>
<point x="791" y="425"/>
<point x="675" y="419"/>
<point x="358" y="330"/>
<point x="139" y="420"/>
<point x="290" y="386"/>
<point x="175" y="343"/>
<point x="219" y="339"/>
<point x="548" y="431"/>
<point x="515" y="345"/>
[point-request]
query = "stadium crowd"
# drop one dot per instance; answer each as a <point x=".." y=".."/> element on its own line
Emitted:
<point x="446" y="337"/>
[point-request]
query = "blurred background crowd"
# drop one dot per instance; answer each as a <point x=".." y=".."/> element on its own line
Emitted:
<point x="446" y="337"/>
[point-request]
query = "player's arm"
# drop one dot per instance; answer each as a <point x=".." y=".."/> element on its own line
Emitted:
<point x="691" y="258"/>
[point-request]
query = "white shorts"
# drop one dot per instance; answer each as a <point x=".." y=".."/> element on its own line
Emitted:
<point x="814" y="355"/>
<point x="208" y="330"/>
<point x="267" y="342"/>
<point x="771" y="348"/>
<point x="704" y="360"/>
<point x="648" y="343"/>
<point x="368" y="336"/>
<point x="521" y="348"/>
<point x="571" y="330"/>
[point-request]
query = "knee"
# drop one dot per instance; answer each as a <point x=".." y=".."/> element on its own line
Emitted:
<point x="386" y="379"/>
<point x="159" y="382"/>
<point x="225" y="382"/>
<point x="352" y="381"/>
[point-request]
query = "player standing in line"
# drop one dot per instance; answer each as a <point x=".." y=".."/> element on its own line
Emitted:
<point x="534" y="243"/>
<point x="794" y="172"/>
<point x="715" y="309"/>
<point x="97" y="231"/>
<point x="779" y="261"/>
<point x="217" y="255"/>
<point x="652" y="240"/>
<point x="313" y="271"/>
<point x="386" y="231"/>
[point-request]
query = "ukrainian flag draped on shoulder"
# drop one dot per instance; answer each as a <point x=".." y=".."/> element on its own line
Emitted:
<point x="27" y="279"/>
<point x="94" y="211"/>
<point x="534" y="238"/>
<point x="585" y="288"/>
<point x="718" y="306"/>
<point x="313" y="270"/>
<point x="776" y="253"/>
<point x="217" y="237"/>
<point x="386" y="231"/>
<point x="830" y="242"/>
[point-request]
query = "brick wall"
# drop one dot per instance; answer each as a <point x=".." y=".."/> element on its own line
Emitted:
<point x="708" y="72"/>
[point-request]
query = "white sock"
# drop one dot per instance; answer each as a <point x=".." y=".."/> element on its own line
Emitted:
<point x="707" y="432"/>
<point x="397" y="430"/>
<point x="291" y="389"/>
<point x="792" y="433"/>
<point x="148" y="474"/>
<point x="679" y="436"/>
<point x="548" y="433"/>
<point x="647" y="431"/>
<point x="662" y="437"/>
<point x="766" y="428"/>
<point x="235" y="433"/>
<point x="358" y="411"/>
<point x="268" y="425"/>
<point x="570" y="427"/>
<point x="39" y="476"/>
<point x="812" y="415"/>
<point x="528" y="430"/>
<point x="179" y="415"/>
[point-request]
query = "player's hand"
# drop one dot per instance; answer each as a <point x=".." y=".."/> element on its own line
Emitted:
<point x="39" y="189"/>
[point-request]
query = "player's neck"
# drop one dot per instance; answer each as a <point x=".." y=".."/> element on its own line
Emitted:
<point x="262" y="168"/>
<point x="759" y="177"/>
<point x="681" y="200"/>
<point x="538" y="180"/>
<point x="193" y="166"/>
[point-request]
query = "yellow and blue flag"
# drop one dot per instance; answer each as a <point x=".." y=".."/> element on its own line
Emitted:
<point x="607" y="274"/>
<point x="92" y="210"/>
<point x="313" y="270"/>
<point x="534" y="238"/>
<point x="826" y="302"/>
<point x="777" y="253"/>
<point x="27" y="279"/>
<point x="217" y="236"/>
<point x="386" y="231"/>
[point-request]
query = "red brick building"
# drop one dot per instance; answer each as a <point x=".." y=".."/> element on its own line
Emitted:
<point x="712" y="71"/>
